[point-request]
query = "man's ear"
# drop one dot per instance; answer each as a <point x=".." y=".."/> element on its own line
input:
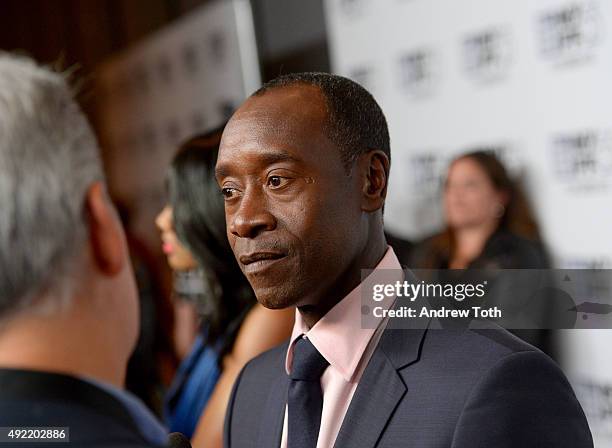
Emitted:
<point x="105" y="231"/>
<point x="375" y="168"/>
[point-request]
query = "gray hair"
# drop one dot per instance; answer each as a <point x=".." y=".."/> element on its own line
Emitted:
<point x="48" y="159"/>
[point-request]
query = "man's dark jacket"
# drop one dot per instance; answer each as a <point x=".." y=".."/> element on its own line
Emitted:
<point x="40" y="399"/>
<point x="428" y="388"/>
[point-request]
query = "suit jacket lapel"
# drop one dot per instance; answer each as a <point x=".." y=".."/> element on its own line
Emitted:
<point x="271" y="427"/>
<point x="380" y="389"/>
<point x="375" y="399"/>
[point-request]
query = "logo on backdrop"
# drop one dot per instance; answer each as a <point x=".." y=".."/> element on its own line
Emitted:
<point x="570" y="34"/>
<point x="364" y="76"/>
<point x="164" y="69"/>
<point x="173" y="132"/>
<point x="190" y="58"/>
<point x="487" y="54"/>
<point x="595" y="396"/>
<point x="217" y="47"/>
<point x="417" y="72"/>
<point x="198" y="121"/>
<point x="418" y="202"/>
<point x="426" y="172"/>
<point x="577" y="262"/>
<point x="583" y="160"/>
<point x="225" y="108"/>
<point x="352" y="8"/>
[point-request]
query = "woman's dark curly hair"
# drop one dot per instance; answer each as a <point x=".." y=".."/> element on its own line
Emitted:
<point x="199" y="220"/>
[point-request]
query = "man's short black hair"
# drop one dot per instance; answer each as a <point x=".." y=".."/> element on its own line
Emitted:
<point x="355" y="121"/>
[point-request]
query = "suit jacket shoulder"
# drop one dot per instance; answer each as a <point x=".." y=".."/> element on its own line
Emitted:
<point x="482" y="387"/>
<point x="534" y="405"/>
<point x="40" y="399"/>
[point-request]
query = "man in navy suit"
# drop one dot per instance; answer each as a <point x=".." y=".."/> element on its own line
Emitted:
<point x="304" y="168"/>
<point x="68" y="302"/>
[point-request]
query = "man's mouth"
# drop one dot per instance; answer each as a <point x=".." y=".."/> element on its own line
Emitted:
<point x="258" y="261"/>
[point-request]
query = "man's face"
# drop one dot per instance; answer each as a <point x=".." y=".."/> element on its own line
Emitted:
<point x="292" y="211"/>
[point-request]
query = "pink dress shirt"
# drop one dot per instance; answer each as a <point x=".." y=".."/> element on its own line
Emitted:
<point x="348" y="347"/>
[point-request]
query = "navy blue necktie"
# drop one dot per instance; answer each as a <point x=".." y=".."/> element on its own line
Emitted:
<point x="305" y="399"/>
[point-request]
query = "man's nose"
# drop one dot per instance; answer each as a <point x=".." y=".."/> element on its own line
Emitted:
<point x="252" y="216"/>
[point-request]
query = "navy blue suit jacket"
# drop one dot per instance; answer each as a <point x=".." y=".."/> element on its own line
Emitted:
<point x="40" y="399"/>
<point x="428" y="388"/>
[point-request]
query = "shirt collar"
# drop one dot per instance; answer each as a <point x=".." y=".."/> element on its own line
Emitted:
<point x="339" y="335"/>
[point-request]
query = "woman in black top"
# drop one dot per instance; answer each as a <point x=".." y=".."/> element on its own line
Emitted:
<point x="488" y="221"/>
<point x="489" y="226"/>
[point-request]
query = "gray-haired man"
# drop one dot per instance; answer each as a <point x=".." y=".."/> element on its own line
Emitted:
<point x="68" y="302"/>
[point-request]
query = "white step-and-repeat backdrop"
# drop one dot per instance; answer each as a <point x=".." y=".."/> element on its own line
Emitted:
<point x="531" y="79"/>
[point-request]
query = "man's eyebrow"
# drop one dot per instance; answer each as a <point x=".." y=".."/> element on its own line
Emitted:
<point x="264" y="159"/>
<point x="269" y="158"/>
<point x="222" y="171"/>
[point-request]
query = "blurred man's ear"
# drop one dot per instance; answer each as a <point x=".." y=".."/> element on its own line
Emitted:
<point x="374" y="165"/>
<point x="105" y="231"/>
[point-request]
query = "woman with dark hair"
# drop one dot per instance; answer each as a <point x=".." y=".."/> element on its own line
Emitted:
<point x="233" y="326"/>
<point x="490" y="226"/>
<point x="489" y="223"/>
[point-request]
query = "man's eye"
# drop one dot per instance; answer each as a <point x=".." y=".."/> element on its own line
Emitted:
<point x="228" y="192"/>
<point x="276" y="181"/>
